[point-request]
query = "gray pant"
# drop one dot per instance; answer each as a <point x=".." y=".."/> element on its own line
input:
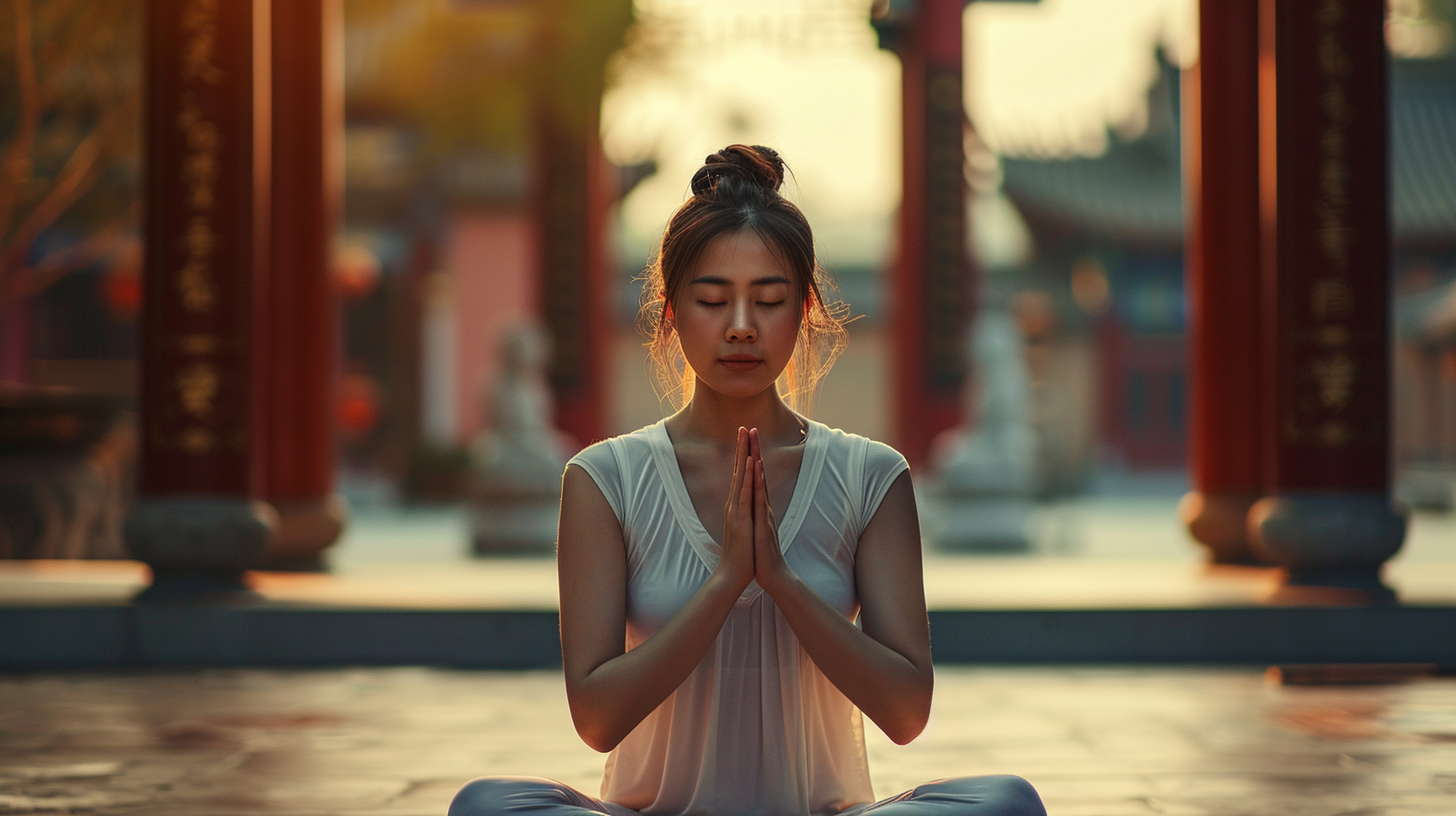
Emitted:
<point x="962" y="796"/>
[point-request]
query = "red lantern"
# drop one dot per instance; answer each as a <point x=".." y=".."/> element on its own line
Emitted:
<point x="356" y="271"/>
<point x="358" y="408"/>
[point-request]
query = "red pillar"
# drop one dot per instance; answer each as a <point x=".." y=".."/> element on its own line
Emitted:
<point x="572" y="264"/>
<point x="202" y="393"/>
<point x="932" y="290"/>
<point x="1328" y="515"/>
<point x="1221" y="180"/>
<point x="303" y="327"/>
<point x="569" y="201"/>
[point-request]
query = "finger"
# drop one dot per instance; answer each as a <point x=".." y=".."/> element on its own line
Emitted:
<point x="745" y="493"/>
<point x="754" y="442"/>
<point x="761" y="480"/>
<point x="739" y="471"/>
<point x="760" y="497"/>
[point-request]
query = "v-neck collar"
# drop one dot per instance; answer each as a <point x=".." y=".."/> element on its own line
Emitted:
<point x="697" y="535"/>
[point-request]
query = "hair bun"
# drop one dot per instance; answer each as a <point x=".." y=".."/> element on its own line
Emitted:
<point x="753" y="164"/>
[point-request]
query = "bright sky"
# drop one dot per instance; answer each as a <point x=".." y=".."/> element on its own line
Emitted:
<point x="805" y="77"/>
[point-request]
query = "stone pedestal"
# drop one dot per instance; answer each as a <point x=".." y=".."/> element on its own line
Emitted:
<point x="1333" y="545"/>
<point x="199" y="546"/>
<point x="306" y="527"/>
<point x="1219" y="521"/>
<point x="514" y="525"/>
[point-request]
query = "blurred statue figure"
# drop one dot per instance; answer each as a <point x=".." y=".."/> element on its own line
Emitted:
<point x="987" y="470"/>
<point x="519" y="456"/>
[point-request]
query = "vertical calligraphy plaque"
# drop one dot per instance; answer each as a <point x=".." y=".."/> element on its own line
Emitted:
<point x="932" y="286"/>
<point x="1327" y="515"/>
<point x="206" y="241"/>
<point x="1325" y="244"/>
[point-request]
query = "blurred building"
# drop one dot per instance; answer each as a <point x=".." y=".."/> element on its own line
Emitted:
<point x="1108" y="232"/>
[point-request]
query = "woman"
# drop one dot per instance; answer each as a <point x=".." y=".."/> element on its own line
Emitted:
<point x="726" y="675"/>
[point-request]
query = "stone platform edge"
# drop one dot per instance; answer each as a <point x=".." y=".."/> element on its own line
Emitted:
<point x="106" y="636"/>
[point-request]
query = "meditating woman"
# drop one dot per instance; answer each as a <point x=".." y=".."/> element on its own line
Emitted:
<point x="727" y="673"/>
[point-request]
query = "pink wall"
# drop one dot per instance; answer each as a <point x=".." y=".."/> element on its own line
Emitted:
<point x="490" y="257"/>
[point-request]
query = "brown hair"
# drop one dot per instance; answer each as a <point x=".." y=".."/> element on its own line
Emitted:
<point x="738" y="188"/>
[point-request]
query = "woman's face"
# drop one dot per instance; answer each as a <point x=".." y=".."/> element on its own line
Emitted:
<point x="737" y="316"/>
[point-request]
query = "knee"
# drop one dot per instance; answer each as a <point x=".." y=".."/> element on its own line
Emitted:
<point x="996" y="795"/>
<point x="498" y="795"/>
<point x="1016" y="795"/>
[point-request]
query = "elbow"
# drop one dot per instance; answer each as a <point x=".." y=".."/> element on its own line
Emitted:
<point x="910" y="719"/>
<point x="599" y="735"/>
<point x="598" y="740"/>
<point x="596" y="737"/>
<point x="906" y="732"/>
<point x="907" y="729"/>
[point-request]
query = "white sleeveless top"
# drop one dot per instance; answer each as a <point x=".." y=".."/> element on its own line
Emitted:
<point x="756" y="729"/>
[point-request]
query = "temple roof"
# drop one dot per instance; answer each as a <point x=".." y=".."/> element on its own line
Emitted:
<point x="1131" y="193"/>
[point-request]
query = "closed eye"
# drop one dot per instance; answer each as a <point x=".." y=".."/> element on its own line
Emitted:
<point x="712" y="303"/>
<point x="774" y="303"/>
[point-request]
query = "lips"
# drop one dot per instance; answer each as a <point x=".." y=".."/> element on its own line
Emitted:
<point x="740" y="362"/>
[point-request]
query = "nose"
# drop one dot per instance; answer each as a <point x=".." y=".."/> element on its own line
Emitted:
<point x="741" y="328"/>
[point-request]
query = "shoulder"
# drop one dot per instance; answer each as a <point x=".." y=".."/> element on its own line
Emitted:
<point x="874" y="457"/>
<point x="606" y="453"/>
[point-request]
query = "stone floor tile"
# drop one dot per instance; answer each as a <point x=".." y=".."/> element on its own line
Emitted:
<point x="399" y="742"/>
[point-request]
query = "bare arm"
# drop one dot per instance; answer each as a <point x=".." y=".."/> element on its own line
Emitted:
<point x="884" y="668"/>
<point x="609" y="689"/>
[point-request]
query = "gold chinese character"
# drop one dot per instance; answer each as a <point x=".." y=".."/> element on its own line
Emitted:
<point x="1332" y="335"/>
<point x="195" y="284"/>
<point x="196" y="441"/>
<point x="1333" y="434"/>
<point x="198" y="385"/>
<point x="201" y="132"/>
<point x="1335" y="376"/>
<point x="200" y="197"/>
<point x="199" y="13"/>
<point x="198" y="56"/>
<point x="198" y="344"/>
<point x="199" y="239"/>
<point x="1331" y="298"/>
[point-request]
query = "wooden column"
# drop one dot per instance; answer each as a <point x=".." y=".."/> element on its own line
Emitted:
<point x="572" y="265"/>
<point x="303" y="313"/>
<point x="1221" y="181"/>
<point x="1328" y="515"/>
<point x="932" y="289"/>
<point x="198" y="519"/>
<point x="569" y="201"/>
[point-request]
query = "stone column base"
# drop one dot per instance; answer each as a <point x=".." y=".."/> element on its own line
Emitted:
<point x="526" y="526"/>
<point x="306" y="527"/>
<point x="198" y="547"/>
<point x="984" y="524"/>
<point x="1219" y="521"/>
<point x="1332" y="544"/>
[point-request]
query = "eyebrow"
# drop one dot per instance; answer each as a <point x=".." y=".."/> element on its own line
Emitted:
<point x="717" y="281"/>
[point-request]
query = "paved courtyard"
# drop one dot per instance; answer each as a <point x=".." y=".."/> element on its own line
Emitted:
<point x="1096" y="742"/>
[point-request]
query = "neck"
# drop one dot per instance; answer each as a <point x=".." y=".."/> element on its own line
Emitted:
<point x="714" y="418"/>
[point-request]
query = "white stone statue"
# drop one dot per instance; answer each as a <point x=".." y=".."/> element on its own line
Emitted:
<point x="987" y="469"/>
<point x="520" y="455"/>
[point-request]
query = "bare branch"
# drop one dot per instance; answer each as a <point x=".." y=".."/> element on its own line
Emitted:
<point x="100" y="245"/>
<point x="72" y="182"/>
<point x="17" y="161"/>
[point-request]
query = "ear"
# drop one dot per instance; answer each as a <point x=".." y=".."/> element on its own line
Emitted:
<point x="669" y="319"/>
